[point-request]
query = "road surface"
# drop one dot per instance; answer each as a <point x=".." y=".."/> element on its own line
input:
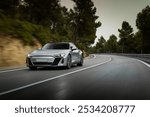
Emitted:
<point x="102" y="77"/>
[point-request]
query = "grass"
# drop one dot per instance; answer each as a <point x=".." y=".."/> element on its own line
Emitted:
<point x="24" y="30"/>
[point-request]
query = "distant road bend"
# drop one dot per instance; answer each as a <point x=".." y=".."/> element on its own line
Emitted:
<point x="101" y="77"/>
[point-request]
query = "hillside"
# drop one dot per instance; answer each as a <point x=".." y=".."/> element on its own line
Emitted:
<point x="13" y="51"/>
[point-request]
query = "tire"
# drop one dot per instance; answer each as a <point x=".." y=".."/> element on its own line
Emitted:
<point x="68" y="62"/>
<point x="81" y="62"/>
<point x="32" y="68"/>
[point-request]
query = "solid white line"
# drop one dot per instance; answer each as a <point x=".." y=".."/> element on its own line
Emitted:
<point x="53" y="78"/>
<point x="11" y="70"/>
<point x="148" y="65"/>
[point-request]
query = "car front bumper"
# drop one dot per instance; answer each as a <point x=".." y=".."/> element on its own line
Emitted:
<point x="40" y="61"/>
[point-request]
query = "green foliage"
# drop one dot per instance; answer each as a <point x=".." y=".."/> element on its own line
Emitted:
<point x="9" y="7"/>
<point x="23" y="29"/>
<point x="42" y="34"/>
<point x="143" y="24"/>
<point x="84" y="22"/>
<point x="125" y="31"/>
<point x="129" y="42"/>
<point x="101" y="45"/>
<point x="112" y="45"/>
<point x="50" y="15"/>
<point x="126" y="37"/>
<point x="44" y="12"/>
<point x="138" y="38"/>
<point x="47" y="20"/>
<point x="143" y="19"/>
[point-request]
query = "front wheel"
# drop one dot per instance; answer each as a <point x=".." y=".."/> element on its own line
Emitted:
<point x="68" y="62"/>
<point x="81" y="61"/>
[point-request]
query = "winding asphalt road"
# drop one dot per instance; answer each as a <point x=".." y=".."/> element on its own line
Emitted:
<point x="102" y="77"/>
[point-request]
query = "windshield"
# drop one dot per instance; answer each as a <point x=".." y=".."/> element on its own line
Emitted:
<point x="56" y="46"/>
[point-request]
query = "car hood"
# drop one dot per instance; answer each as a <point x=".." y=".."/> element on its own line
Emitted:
<point x="49" y="52"/>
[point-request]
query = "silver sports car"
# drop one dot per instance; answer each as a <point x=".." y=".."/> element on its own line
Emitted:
<point x="55" y="54"/>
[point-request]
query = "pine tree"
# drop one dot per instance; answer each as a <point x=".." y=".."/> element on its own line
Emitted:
<point x="143" y="24"/>
<point x="101" y="45"/>
<point x="9" y="7"/>
<point x="84" y="22"/>
<point x="112" y="45"/>
<point x="126" y="37"/>
<point x="44" y="12"/>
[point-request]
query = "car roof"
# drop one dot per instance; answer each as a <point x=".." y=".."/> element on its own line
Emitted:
<point x="62" y="42"/>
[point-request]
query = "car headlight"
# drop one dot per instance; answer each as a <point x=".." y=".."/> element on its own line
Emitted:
<point x="29" y="55"/>
<point x="62" y="54"/>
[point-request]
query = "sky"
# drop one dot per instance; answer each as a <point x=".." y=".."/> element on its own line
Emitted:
<point x="112" y="13"/>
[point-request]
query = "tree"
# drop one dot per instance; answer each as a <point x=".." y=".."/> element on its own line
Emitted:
<point x="78" y="25"/>
<point x="112" y="45"/>
<point x="126" y="37"/>
<point x="138" y="38"/>
<point x="44" y="12"/>
<point x="100" y="45"/>
<point x="9" y="7"/>
<point x="143" y="24"/>
<point x="84" y="22"/>
<point x="49" y="13"/>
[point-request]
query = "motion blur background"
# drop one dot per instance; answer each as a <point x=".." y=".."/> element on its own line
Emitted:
<point x="95" y="26"/>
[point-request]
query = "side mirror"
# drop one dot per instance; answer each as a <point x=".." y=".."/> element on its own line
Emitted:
<point x="72" y="49"/>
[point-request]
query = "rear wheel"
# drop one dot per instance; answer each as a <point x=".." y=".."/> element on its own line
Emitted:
<point x="68" y="62"/>
<point x="32" y="68"/>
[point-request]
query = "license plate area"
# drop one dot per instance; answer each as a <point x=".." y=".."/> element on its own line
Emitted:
<point x="49" y="60"/>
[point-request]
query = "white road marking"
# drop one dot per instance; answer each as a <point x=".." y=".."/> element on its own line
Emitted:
<point x="53" y="78"/>
<point x="11" y="70"/>
<point x="148" y="65"/>
<point x="18" y="69"/>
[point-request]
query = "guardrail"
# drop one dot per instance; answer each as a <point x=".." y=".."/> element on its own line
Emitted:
<point x="143" y="57"/>
<point x="137" y="55"/>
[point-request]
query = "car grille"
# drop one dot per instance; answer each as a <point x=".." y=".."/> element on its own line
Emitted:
<point x="55" y="62"/>
<point x="42" y="63"/>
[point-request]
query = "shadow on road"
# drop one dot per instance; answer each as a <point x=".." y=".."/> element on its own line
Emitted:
<point x="52" y="68"/>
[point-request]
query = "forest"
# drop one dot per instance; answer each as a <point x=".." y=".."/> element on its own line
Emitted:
<point x="48" y="21"/>
<point x="128" y="41"/>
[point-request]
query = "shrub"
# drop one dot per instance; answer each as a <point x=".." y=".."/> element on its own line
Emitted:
<point x="25" y="30"/>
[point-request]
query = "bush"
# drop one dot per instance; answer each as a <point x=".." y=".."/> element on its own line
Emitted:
<point x="25" y="30"/>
